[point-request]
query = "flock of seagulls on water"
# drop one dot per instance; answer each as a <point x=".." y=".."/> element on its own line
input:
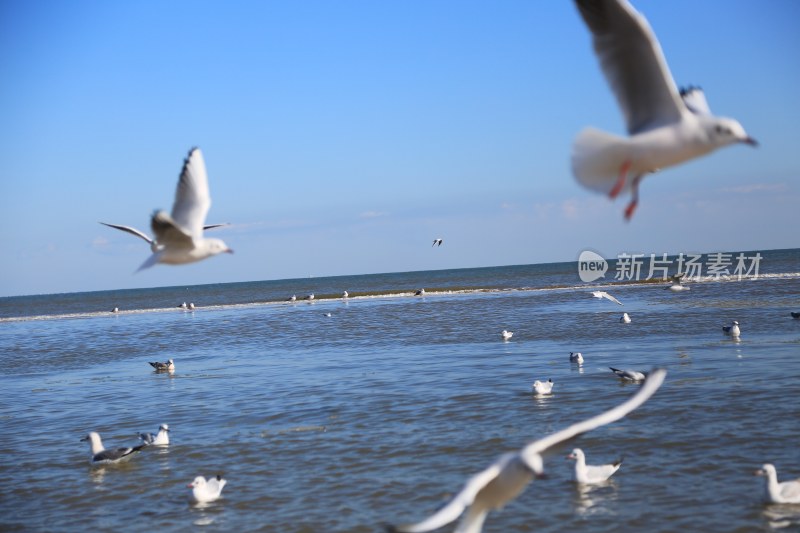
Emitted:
<point x="666" y="127"/>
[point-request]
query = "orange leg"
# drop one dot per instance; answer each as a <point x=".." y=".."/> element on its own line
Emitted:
<point x="634" y="197"/>
<point x="623" y="175"/>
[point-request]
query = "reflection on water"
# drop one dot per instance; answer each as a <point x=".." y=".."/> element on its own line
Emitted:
<point x="593" y="499"/>
<point x="781" y="516"/>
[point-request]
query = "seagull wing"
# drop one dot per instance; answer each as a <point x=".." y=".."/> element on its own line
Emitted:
<point x="460" y="501"/>
<point x="192" y="199"/>
<point x="650" y="386"/>
<point x="608" y="296"/>
<point x="115" y="455"/>
<point x="168" y="232"/>
<point x="212" y="226"/>
<point x="633" y="64"/>
<point x="132" y="231"/>
<point x="695" y="100"/>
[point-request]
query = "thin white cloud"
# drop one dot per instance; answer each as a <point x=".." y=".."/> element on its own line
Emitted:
<point x="373" y="214"/>
<point x="756" y="187"/>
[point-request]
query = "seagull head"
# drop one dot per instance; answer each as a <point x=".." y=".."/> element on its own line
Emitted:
<point x="765" y="469"/>
<point x="577" y="452"/>
<point x="723" y="131"/>
<point x="199" y="481"/>
<point x="163" y="427"/>
<point x="217" y="246"/>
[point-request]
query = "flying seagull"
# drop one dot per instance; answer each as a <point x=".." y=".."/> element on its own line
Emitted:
<point x="604" y="294"/>
<point x="437" y="242"/>
<point x="99" y="455"/>
<point x="665" y="127"/>
<point x="179" y="237"/>
<point x="508" y="476"/>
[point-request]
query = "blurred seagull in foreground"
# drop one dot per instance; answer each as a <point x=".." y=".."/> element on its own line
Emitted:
<point x="206" y="491"/>
<point x="604" y="294"/>
<point x="786" y="492"/>
<point x="665" y="127"/>
<point x="506" y="334"/>
<point x="543" y="387"/>
<point x="179" y="237"/>
<point x="507" y="477"/>
<point x="169" y="366"/>
<point x="732" y="330"/>
<point x="629" y="375"/>
<point x="99" y="455"/>
<point x="589" y="474"/>
<point x="156" y="439"/>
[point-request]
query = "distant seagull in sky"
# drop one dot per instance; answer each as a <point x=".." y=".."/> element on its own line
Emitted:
<point x="169" y="366"/>
<point x="576" y="357"/>
<point x="99" y="455"/>
<point x="732" y="330"/>
<point x="437" y="242"/>
<point x="677" y="283"/>
<point x="179" y="236"/>
<point x="590" y="474"/>
<point x="207" y="491"/>
<point x="665" y="127"/>
<point x="506" y="334"/>
<point x="629" y="375"/>
<point x="507" y="477"/>
<point x="625" y="319"/>
<point x="543" y="387"/>
<point x="604" y="294"/>
<point x="156" y="439"/>
<point x="786" y="492"/>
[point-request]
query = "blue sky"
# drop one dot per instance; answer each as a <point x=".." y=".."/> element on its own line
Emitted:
<point x="343" y="137"/>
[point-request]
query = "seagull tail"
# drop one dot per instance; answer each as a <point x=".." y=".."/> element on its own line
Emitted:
<point x="597" y="159"/>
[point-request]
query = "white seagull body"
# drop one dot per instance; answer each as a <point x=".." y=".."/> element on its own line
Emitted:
<point x="169" y="366"/>
<point x="625" y="319"/>
<point x="732" y="330"/>
<point x="590" y="474"/>
<point x="179" y="236"/>
<point x="206" y="491"/>
<point x="786" y="492"/>
<point x="665" y="127"/>
<point x="156" y="439"/>
<point x="629" y="375"/>
<point x="508" y="476"/>
<point x="506" y="334"/>
<point x="99" y="455"/>
<point x="576" y="357"/>
<point x="677" y="284"/>
<point x="543" y="387"/>
<point x="604" y="294"/>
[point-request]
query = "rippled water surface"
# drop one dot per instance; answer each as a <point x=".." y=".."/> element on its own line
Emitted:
<point x="379" y="413"/>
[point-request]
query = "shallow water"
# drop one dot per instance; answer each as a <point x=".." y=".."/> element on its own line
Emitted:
<point x="380" y="412"/>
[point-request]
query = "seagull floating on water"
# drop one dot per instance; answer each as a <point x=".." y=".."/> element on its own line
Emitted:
<point x="732" y="330"/>
<point x="437" y="242"/>
<point x="310" y="297"/>
<point x="206" y="491"/>
<point x="629" y="375"/>
<point x="625" y="319"/>
<point x="99" y="455"/>
<point x="115" y="310"/>
<point x="507" y="477"/>
<point x="156" y="439"/>
<point x="169" y="366"/>
<point x="589" y="474"/>
<point x="576" y="357"/>
<point x="506" y="334"/>
<point x="677" y="283"/>
<point x="543" y="387"/>
<point x="665" y="126"/>
<point x="785" y="492"/>
<point x="179" y="236"/>
<point x="795" y="315"/>
<point x="293" y="298"/>
<point x="345" y="295"/>
<point x="420" y="292"/>
<point x="604" y="294"/>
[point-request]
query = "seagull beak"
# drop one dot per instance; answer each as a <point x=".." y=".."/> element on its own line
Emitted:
<point x="190" y="485"/>
<point x="228" y="251"/>
<point x="749" y="140"/>
<point x="542" y="475"/>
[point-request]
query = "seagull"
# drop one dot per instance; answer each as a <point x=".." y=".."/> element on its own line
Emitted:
<point x="437" y="242"/>
<point x="677" y="283"/>
<point x="508" y="476"/>
<point x="785" y="492"/>
<point x="183" y="306"/>
<point x="328" y="315"/>
<point x="156" y="439"/>
<point x="310" y="296"/>
<point x="795" y="315"/>
<point x="191" y="306"/>
<point x="152" y="242"/>
<point x="591" y="473"/>
<point x="293" y="298"/>
<point x="115" y="310"/>
<point x="169" y="366"/>
<point x="543" y="387"/>
<point x="604" y="294"/>
<point x="179" y="237"/>
<point x="420" y="292"/>
<point x="576" y="357"/>
<point x="345" y="295"/>
<point x="206" y="491"/>
<point x="100" y="455"/>
<point x="629" y="375"/>
<point x="506" y="334"/>
<point x="665" y="127"/>
<point x="625" y="319"/>
<point x="732" y="330"/>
